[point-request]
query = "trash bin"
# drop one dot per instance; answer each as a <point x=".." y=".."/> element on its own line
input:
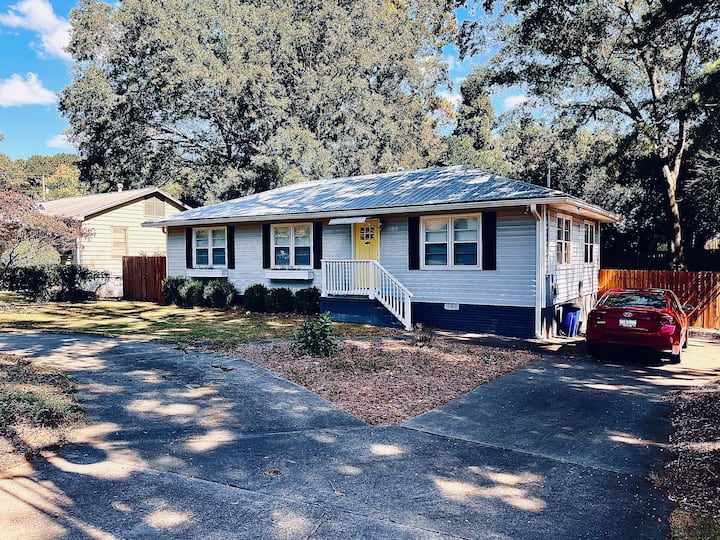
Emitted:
<point x="570" y="319"/>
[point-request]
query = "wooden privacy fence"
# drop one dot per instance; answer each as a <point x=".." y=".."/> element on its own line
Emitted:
<point x="700" y="289"/>
<point x="143" y="278"/>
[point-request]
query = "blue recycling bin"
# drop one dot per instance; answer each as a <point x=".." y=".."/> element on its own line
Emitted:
<point x="570" y="321"/>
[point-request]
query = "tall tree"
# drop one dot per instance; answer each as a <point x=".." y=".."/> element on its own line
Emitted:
<point x="24" y="230"/>
<point x="471" y="142"/>
<point x="228" y="98"/>
<point x="641" y="61"/>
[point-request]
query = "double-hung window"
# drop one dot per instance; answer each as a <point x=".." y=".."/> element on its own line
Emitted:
<point x="292" y="245"/>
<point x="589" y="243"/>
<point x="564" y="237"/>
<point x="451" y="242"/>
<point x="119" y="241"/>
<point x="210" y="248"/>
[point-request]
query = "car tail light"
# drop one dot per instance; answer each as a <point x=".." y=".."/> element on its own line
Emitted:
<point x="667" y="324"/>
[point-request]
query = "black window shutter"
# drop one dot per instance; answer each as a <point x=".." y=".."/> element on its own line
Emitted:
<point x="489" y="241"/>
<point x="188" y="247"/>
<point x="266" y="245"/>
<point x="317" y="244"/>
<point x="231" y="247"/>
<point x="414" y="243"/>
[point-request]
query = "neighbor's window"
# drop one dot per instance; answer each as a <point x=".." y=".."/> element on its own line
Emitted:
<point x="210" y="247"/>
<point x="119" y="241"/>
<point x="451" y="241"/>
<point x="589" y="243"/>
<point x="154" y="207"/>
<point x="564" y="234"/>
<point x="292" y="245"/>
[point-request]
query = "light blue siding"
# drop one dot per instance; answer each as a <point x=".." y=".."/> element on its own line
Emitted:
<point x="176" y="252"/>
<point x="512" y="284"/>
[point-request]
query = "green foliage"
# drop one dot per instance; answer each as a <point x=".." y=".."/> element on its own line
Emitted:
<point x="279" y="300"/>
<point x="32" y="282"/>
<point x="232" y="98"/>
<point x="171" y="290"/>
<point x="218" y="293"/>
<point x="254" y="297"/>
<point x="191" y="293"/>
<point x="315" y="337"/>
<point x="60" y="282"/>
<point x="636" y="67"/>
<point x="70" y="280"/>
<point x="307" y="301"/>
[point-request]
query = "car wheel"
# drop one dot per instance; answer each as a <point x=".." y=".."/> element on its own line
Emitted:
<point x="593" y="349"/>
<point x="677" y="358"/>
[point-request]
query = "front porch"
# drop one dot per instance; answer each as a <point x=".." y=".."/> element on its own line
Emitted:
<point x="357" y="284"/>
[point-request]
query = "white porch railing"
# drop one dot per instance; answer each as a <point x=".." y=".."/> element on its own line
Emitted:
<point x="371" y="279"/>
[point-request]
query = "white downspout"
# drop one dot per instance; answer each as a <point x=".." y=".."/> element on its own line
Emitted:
<point x="539" y="267"/>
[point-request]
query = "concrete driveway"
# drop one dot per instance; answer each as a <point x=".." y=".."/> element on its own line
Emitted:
<point x="194" y="444"/>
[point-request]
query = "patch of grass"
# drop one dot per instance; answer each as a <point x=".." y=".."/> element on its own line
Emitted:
<point x="687" y="526"/>
<point x="37" y="408"/>
<point x="219" y="328"/>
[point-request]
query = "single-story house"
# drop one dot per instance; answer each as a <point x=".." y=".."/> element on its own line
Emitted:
<point x="113" y="222"/>
<point x="449" y="247"/>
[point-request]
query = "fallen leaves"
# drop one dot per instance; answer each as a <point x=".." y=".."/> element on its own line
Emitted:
<point x="389" y="380"/>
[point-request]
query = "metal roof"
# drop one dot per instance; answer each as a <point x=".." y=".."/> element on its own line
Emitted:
<point x="86" y="205"/>
<point x="405" y="191"/>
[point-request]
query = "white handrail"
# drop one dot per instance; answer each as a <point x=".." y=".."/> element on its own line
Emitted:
<point x="368" y="278"/>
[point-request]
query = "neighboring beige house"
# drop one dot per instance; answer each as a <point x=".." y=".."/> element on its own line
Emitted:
<point x="113" y="221"/>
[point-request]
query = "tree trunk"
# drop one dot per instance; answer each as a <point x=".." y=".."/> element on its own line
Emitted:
<point x="676" y="241"/>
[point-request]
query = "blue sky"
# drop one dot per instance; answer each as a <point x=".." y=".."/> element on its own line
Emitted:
<point x="34" y="68"/>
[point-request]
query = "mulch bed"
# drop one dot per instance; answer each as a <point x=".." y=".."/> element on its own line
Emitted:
<point x="389" y="380"/>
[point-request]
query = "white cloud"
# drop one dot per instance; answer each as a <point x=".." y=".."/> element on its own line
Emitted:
<point x="17" y="91"/>
<point x="59" y="141"/>
<point x="510" y="102"/>
<point x="38" y="16"/>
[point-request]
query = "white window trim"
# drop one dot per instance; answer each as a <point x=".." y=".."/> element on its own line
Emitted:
<point x="562" y="263"/>
<point x="292" y="264"/>
<point x="450" y="243"/>
<point x="210" y="247"/>
<point x="594" y="243"/>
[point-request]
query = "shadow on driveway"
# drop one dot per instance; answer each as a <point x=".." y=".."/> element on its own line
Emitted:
<point x="195" y="444"/>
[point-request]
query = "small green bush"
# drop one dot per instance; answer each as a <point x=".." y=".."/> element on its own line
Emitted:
<point x="279" y="300"/>
<point x="171" y="290"/>
<point x="254" y="297"/>
<point x="218" y="293"/>
<point x="191" y="293"/>
<point x="307" y="301"/>
<point x="314" y="337"/>
<point x="31" y="282"/>
<point x="70" y="278"/>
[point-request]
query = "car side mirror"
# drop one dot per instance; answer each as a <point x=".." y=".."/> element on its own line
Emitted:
<point x="688" y="309"/>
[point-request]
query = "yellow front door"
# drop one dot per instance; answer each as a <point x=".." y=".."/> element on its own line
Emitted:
<point x="367" y="240"/>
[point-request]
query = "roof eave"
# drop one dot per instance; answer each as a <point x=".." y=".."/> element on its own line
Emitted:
<point x="582" y="208"/>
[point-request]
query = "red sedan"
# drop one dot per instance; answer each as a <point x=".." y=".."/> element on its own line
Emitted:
<point x="649" y="318"/>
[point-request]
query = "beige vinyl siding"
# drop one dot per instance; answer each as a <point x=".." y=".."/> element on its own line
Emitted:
<point x="97" y="249"/>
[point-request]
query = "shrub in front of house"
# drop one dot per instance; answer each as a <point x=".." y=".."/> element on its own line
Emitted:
<point x="171" y="290"/>
<point x="218" y="293"/>
<point x="70" y="279"/>
<point x="31" y="282"/>
<point x="307" y="301"/>
<point x="279" y="300"/>
<point x="191" y="293"/>
<point x="314" y="336"/>
<point x="254" y="297"/>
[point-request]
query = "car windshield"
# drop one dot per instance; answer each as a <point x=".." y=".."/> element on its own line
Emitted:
<point x="635" y="299"/>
